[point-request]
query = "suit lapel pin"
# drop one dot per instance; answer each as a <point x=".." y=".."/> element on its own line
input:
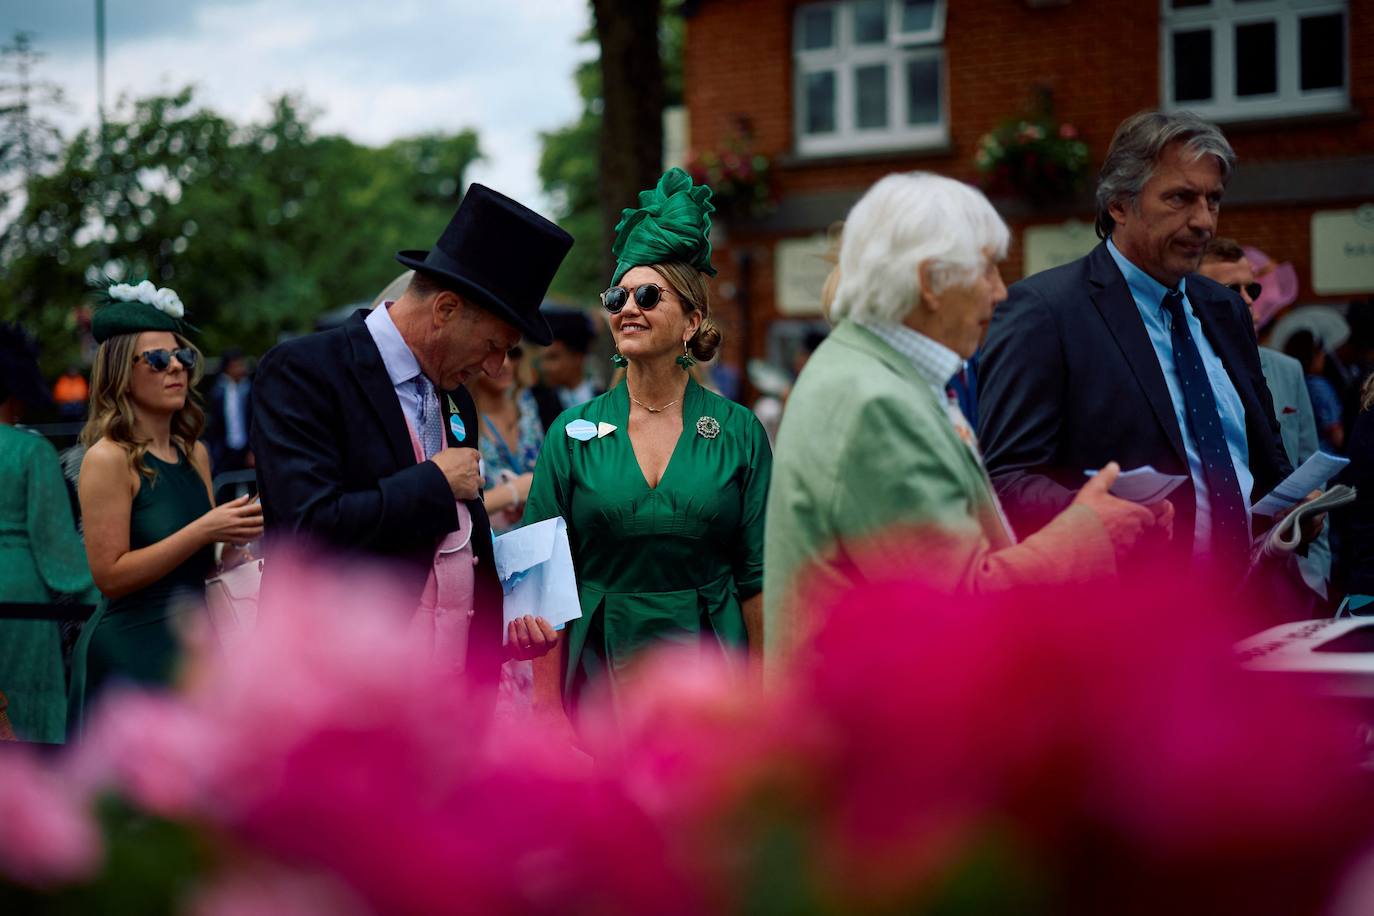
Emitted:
<point x="604" y="429"/>
<point x="455" y="422"/>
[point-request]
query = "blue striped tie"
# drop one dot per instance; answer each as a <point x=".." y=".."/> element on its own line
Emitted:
<point x="1230" y="515"/>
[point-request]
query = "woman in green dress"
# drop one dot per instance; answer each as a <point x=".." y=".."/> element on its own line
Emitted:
<point x="662" y="483"/>
<point x="145" y="496"/>
<point x="41" y="558"/>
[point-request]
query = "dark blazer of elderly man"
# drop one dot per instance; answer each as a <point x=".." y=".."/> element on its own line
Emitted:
<point x="873" y="455"/>
<point x="1129" y="354"/>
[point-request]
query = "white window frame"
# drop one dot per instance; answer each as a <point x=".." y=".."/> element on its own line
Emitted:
<point x="843" y="58"/>
<point x="1222" y="17"/>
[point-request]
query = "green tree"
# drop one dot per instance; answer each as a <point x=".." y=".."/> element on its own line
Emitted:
<point x="572" y="161"/>
<point x="259" y="227"/>
<point x="29" y="142"/>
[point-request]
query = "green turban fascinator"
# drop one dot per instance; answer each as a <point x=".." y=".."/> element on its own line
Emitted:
<point x="671" y="223"/>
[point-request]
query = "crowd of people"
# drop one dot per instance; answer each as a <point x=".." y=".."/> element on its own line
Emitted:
<point x="946" y="423"/>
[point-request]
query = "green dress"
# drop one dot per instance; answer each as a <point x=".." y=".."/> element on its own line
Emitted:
<point x="134" y="637"/>
<point x="669" y="564"/>
<point x="42" y="560"/>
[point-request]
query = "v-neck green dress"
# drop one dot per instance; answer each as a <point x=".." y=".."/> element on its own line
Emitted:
<point x="669" y="564"/>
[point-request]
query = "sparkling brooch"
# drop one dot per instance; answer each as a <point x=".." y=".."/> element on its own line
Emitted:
<point x="708" y="427"/>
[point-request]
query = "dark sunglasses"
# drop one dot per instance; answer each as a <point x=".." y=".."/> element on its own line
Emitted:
<point x="1251" y="289"/>
<point x="161" y="360"/>
<point x="647" y="297"/>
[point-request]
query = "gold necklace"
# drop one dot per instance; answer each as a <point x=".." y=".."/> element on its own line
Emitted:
<point x="653" y="409"/>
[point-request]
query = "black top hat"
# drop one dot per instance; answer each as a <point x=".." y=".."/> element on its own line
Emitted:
<point x="501" y="255"/>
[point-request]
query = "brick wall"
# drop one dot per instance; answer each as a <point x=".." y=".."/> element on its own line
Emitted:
<point x="1101" y="61"/>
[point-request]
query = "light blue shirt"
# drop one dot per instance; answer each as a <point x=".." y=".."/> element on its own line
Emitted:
<point x="401" y="365"/>
<point x="1148" y="294"/>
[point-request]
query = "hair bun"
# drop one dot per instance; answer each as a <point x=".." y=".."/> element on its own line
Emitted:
<point x="706" y="341"/>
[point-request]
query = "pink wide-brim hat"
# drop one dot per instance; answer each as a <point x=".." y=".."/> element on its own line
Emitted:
<point x="1279" y="282"/>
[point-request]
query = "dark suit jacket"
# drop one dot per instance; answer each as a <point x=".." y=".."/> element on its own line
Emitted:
<point x="336" y="468"/>
<point x="216" y="426"/>
<point x="1068" y="380"/>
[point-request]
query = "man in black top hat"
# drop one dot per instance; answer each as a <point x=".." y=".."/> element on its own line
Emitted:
<point x="340" y="414"/>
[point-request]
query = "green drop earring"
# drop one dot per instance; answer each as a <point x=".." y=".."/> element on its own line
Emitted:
<point x="685" y="360"/>
<point x="619" y="361"/>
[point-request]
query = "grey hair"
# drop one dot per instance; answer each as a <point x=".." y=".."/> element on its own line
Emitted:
<point x="902" y="222"/>
<point x="1135" y="150"/>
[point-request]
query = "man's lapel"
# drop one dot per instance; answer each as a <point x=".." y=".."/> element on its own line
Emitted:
<point x="1114" y="303"/>
<point x="372" y="378"/>
<point x="460" y="418"/>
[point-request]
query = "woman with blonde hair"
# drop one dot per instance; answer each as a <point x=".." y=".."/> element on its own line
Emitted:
<point x="662" y="482"/>
<point x="145" y="494"/>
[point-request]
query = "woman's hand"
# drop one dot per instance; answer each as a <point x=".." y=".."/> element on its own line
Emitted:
<point x="530" y="637"/>
<point x="236" y="522"/>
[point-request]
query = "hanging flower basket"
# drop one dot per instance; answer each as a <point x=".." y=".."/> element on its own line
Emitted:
<point x="1038" y="159"/>
<point x="740" y="179"/>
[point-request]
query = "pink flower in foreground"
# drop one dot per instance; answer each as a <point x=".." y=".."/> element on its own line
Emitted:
<point x="332" y="741"/>
<point x="1107" y="719"/>
<point x="689" y="731"/>
<point x="503" y="837"/>
<point x="46" y="834"/>
<point x="154" y="748"/>
<point x="262" y="890"/>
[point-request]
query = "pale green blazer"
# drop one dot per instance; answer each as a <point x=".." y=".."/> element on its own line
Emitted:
<point x="871" y="479"/>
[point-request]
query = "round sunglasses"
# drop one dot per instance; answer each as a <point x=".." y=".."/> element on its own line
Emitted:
<point x="647" y="297"/>
<point x="1253" y="290"/>
<point x="161" y="360"/>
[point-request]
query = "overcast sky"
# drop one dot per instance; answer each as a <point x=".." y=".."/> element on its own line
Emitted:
<point x="376" y="69"/>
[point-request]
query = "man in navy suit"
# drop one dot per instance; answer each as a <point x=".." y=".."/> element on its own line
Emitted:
<point x="340" y="414"/>
<point x="1128" y="355"/>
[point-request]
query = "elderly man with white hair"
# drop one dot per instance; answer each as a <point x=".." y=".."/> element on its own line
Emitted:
<point x="876" y="470"/>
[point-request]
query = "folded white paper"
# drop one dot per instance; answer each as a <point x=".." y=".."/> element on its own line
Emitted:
<point x="1313" y="475"/>
<point x="1143" y="485"/>
<point x="535" y="566"/>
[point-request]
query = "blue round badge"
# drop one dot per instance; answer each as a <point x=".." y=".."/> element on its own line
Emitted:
<point x="455" y="423"/>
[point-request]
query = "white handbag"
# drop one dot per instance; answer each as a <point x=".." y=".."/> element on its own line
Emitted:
<point x="231" y="602"/>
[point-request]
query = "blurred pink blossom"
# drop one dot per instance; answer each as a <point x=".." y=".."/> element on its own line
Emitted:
<point x="154" y="748"/>
<point x="1106" y="718"/>
<point x="331" y="741"/>
<point x="264" y="890"/>
<point x="1104" y="736"/>
<point x="47" y="835"/>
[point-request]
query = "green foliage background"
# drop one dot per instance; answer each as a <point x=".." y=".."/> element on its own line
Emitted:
<point x="260" y="227"/>
<point x="569" y="168"/>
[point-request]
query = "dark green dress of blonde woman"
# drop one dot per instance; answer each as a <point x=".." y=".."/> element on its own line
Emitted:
<point x="134" y="637"/>
<point x="145" y="499"/>
<point x="661" y="481"/>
